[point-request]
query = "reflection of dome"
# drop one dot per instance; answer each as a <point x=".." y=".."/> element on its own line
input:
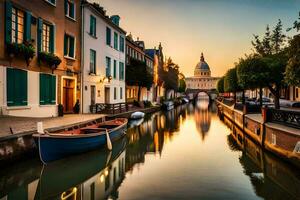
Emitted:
<point x="202" y="119"/>
<point x="202" y="68"/>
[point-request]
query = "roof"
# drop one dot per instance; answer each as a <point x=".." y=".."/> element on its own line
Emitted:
<point x="202" y="65"/>
<point x="102" y="13"/>
<point x="150" y="52"/>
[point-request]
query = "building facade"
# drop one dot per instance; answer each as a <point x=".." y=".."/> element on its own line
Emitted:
<point x="158" y="66"/>
<point x="103" y="53"/>
<point x="39" y="56"/>
<point x="202" y="78"/>
<point x="136" y="50"/>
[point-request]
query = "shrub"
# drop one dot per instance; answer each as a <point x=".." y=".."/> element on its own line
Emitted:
<point x="50" y="59"/>
<point x="25" y="50"/>
<point x="147" y="104"/>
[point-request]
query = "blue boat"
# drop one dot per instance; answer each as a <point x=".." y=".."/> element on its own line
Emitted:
<point x="62" y="143"/>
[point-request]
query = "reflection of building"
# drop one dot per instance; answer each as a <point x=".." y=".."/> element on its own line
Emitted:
<point x="202" y="117"/>
<point x="202" y="77"/>
<point x="271" y="178"/>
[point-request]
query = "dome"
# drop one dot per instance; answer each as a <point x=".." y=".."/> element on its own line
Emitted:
<point x="202" y="68"/>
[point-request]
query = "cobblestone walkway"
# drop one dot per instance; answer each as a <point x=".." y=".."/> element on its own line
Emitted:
<point x="25" y="124"/>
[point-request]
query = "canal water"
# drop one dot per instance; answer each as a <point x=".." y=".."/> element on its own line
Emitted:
<point x="185" y="153"/>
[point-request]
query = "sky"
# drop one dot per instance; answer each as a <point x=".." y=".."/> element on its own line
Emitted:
<point x="221" y="29"/>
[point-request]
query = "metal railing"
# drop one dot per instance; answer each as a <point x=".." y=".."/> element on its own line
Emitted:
<point x="110" y="108"/>
<point x="285" y="117"/>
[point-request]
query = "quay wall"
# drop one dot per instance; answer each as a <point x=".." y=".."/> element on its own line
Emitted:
<point x="19" y="146"/>
<point x="279" y="139"/>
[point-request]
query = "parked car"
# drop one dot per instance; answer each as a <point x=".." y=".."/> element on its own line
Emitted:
<point x="289" y="104"/>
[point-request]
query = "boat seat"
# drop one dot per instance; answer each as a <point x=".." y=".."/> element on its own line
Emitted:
<point x="91" y="130"/>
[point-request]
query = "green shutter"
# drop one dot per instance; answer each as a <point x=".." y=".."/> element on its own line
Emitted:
<point x="66" y="7"/>
<point x="53" y="90"/>
<point x="72" y="11"/>
<point x="42" y="90"/>
<point x="108" y="36"/>
<point x="8" y="13"/>
<point x="23" y="83"/>
<point x="10" y="84"/>
<point x="72" y="45"/>
<point x="39" y="34"/>
<point x="16" y="87"/>
<point x="115" y="69"/>
<point x="65" y="45"/>
<point x="27" y="33"/>
<point x="52" y="39"/>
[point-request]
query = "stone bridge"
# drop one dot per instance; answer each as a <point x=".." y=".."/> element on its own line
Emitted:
<point x="194" y="94"/>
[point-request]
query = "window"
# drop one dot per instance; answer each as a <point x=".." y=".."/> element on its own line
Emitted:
<point x="92" y="26"/>
<point x="47" y="38"/>
<point x="47" y="89"/>
<point x="69" y="46"/>
<point x="17" y="28"/>
<point x="16" y="87"/>
<point x="108" y="63"/>
<point x="115" y="69"/>
<point x="108" y="36"/>
<point x="70" y="8"/>
<point x="115" y="93"/>
<point x="121" y="93"/>
<point x="122" y="44"/>
<point x="297" y="92"/>
<point x="121" y="71"/>
<point x="116" y="40"/>
<point x="92" y="61"/>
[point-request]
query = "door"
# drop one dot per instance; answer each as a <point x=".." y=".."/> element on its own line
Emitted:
<point x="93" y="95"/>
<point x="68" y="95"/>
<point x="107" y="95"/>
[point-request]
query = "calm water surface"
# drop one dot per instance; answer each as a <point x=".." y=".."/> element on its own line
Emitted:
<point x="186" y="153"/>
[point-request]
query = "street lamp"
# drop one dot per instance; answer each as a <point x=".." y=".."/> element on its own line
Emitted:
<point x="102" y="80"/>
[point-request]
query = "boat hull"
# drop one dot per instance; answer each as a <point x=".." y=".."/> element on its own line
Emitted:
<point x="52" y="148"/>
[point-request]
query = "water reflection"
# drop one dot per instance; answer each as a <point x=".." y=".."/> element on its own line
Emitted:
<point x="161" y="158"/>
<point x="271" y="178"/>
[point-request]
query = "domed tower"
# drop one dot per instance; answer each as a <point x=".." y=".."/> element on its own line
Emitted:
<point x="202" y="69"/>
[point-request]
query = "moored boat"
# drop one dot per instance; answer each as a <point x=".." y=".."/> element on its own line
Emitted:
<point x="62" y="143"/>
<point x="137" y="115"/>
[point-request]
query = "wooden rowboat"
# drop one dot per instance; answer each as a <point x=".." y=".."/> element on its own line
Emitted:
<point x="62" y="143"/>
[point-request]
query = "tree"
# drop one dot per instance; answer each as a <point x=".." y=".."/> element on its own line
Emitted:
<point x="220" y="85"/>
<point x="292" y="71"/>
<point x="231" y="82"/>
<point x="251" y="73"/>
<point x="273" y="52"/>
<point x="170" y="76"/>
<point x="138" y="74"/>
<point x="182" y="85"/>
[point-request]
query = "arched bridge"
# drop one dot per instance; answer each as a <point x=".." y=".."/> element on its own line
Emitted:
<point x="194" y="94"/>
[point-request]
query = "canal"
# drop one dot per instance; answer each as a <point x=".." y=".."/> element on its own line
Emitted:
<point x="185" y="153"/>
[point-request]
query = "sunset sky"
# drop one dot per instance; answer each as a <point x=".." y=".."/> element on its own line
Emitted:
<point x="221" y="29"/>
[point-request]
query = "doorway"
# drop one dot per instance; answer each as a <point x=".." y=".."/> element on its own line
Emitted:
<point x="107" y="95"/>
<point x="93" y="95"/>
<point x="68" y="95"/>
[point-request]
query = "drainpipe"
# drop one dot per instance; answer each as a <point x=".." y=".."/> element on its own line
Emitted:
<point x="82" y="56"/>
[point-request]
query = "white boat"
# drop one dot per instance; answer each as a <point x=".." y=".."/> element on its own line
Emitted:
<point x="185" y="100"/>
<point x="137" y="115"/>
<point x="168" y="105"/>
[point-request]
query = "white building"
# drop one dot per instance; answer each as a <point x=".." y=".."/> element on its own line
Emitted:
<point x="202" y="78"/>
<point x="103" y="49"/>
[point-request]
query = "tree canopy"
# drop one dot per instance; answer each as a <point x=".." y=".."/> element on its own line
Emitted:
<point x="220" y="85"/>
<point x="231" y="81"/>
<point x="292" y="71"/>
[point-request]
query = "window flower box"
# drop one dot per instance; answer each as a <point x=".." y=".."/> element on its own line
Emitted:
<point x="22" y="50"/>
<point x="49" y="59"/>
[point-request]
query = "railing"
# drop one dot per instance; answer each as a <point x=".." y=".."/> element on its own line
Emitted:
<point x="288" y="118"/>
<point x="110" y="108"/>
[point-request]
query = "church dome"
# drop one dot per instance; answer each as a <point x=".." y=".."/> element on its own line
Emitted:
<point x="202" y="68"/>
